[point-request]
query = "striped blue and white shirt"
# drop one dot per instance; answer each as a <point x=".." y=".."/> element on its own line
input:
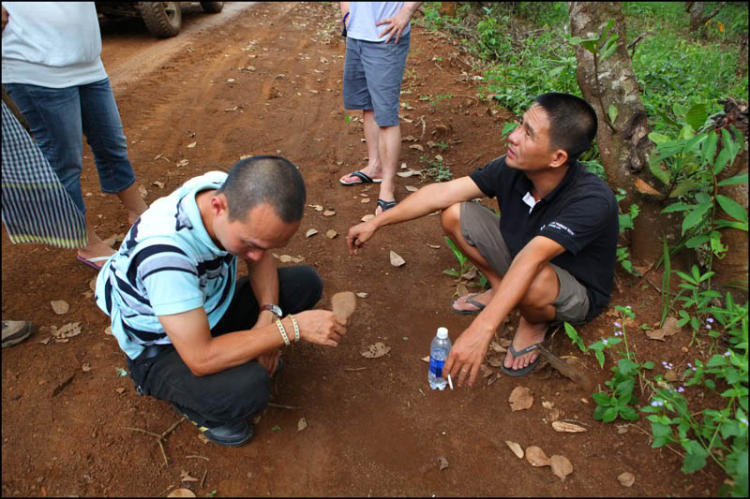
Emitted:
<point x="166" y="265"/>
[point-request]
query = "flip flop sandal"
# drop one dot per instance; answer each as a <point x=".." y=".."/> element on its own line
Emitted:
<point x="516" y="373"/>
<point x="363" y="179"/>
<point x="386" y="205"/>
<point x="471" y="301"/>
<point x="91" y="261"/>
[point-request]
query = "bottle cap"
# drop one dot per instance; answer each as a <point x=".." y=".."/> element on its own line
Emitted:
<point x="442" y="333"/>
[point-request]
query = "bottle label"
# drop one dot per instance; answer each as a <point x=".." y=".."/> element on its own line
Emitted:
<point x="436" y="367"/>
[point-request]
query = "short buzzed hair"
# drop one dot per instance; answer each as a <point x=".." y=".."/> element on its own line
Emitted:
<point x="265" y="179"/>
<point x="573" y="123"/>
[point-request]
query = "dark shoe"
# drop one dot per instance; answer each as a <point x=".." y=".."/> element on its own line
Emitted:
<point x="386" y="205"/>
<point x="229" y="434"/>
<point x="15" y="332"/>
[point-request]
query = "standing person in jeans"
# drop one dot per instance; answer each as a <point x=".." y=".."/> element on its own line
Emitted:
<point x="373" y="69"/>
<point x="193" y="335"/>
<point x="53" y="71"/>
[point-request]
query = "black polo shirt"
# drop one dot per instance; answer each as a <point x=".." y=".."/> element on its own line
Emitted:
<point x="580" y="214"/>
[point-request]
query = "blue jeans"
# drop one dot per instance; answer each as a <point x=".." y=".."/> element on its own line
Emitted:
<point x="59" y="117"/>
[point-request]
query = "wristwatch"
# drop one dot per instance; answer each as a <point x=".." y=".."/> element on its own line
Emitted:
<point x="275" y="309"/>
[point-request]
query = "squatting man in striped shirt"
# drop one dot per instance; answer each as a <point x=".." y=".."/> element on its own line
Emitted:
<point x="194" y="335"/>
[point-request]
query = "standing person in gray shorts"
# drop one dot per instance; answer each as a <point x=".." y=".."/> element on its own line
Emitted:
<point x="373" y="70"/>
<point x="552" y="252"/>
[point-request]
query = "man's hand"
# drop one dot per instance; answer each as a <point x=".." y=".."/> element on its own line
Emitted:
<point x="358" y="235"/>
<point x="5" y="18"/>
<point x="321" y="327"/>
<point x="270" y="360"/>
<point x="467" y="354"/>
<point x="396" y="24"/>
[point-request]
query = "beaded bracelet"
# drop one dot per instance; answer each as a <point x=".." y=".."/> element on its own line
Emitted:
<point x="296" y="327"/>
<point x="283" y="332"/>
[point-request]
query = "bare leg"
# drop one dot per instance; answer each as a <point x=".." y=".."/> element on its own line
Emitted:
<point x="133" y="202"/>
<point x="372" y="136"/>
<point x="536" y="313"/>
<point x="96" y="246"/>
<point x="451" y="222"/>
<point x="390" y="149"/>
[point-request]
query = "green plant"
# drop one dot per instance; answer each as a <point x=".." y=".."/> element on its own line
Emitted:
<point x="439" y="171"/>
<point x="719" y="434"/>
<point x="462" y="260"/>
<point x="625" y="223"/>
<point x="697" y="299"/>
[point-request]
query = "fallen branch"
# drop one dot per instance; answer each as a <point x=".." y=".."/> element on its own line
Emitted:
<point x="282" y="406"/>
<point x="349" y="369"/>
<point x="159" y="438"/>
<point x="197" y="457"/>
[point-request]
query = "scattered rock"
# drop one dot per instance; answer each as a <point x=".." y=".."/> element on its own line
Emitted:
<point x="520" y="399"/>
<point x="626" y="479"/>
<point x="517" y="450"/>
<point x="60" y="306"/>
<point x="396" y="260"/>
<point x="443" y="462"/>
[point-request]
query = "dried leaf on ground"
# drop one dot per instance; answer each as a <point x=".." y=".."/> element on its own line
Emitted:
<point x="158" y="184"/>
<point x="520" y="398"/>
<point x="364" y="200"/>
<point x="362" y="294"/>
<point x="108" y="331"/>
<point x="330" y="234"/>
<point x="329" y="213"/>
<point x="433" y="246"/>
<point x="484" y="371"/>
<point x="417" y="147"/>
<point x="316" y="207"/>
<point x="670" y="328"/>
<point x="497" y="347"/>
<point x="470" y="274"/>
<point x="289" y="258"/>
<point x="376" y="351"/>
<point x="408" y="173"/>
<point x="411" y="188"/>
<point x="183" y="162"/>
<point x="554" y="415"/>
<point x="181" y="493"/>
<point x="60" y="306"/>
<point x="548" y="404"/>
<point x="86" y="367"/>
<point x="462" y="290"/>
<point x="301" y="424"/>
<point x="426" y="358"/>
<point x="536" y="456"/>
<point x="561" y="466"/>
<point x="563" y="427"/>
<point x="67" y="331"/>
<point x="396" y="259"/>
<point x="517" y="450"/>
<point x="191" y="145"/>
<point x="186" y="477"/>
<point x="143" y="191"/>
<point x="494" y="361"/>
<point x="626" y="479"/>
<point x="368" y="217"/>
<point x="443" y="462"/>
<point x="311" y="232"/>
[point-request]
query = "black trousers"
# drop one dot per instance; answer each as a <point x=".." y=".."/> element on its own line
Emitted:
<point x="238" y="392"/>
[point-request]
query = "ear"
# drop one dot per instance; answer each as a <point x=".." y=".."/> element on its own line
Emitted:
<point x="559" y="158"/>
<point x="219" y="204"/>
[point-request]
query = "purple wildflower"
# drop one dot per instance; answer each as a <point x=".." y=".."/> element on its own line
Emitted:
<point x="604" y="341"/>
<point x="710" y="319"/>
<point x="618" y="324"/>
<point x="681" y="389"/>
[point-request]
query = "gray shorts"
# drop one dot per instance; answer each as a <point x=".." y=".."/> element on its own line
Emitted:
<point x="372" y="77"/>
<point x="480" y="227"/>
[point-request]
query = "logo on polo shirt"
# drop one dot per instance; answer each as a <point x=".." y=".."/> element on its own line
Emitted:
<point x="558" y="226"/>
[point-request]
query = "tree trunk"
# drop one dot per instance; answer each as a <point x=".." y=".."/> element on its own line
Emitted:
<point x="741" y="69"/>
<point x="624" y="145"/>
<point x="699" y="18"/>
<point x="733" y="268"/>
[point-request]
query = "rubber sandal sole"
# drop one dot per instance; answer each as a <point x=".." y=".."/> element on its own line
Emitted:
<point x="363" y="179"/>
<point x="470" y="301"/>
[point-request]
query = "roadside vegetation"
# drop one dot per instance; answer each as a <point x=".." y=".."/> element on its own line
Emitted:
<point x="523" y="49"/>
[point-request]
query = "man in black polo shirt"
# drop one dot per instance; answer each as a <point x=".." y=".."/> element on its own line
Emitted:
<point x="551" y="254"/>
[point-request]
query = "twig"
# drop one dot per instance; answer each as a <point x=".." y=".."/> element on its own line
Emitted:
<point x="144" y="431"/>
<point x="197" y="457"/>
<point x="632" y="44"/>
<point x="163" y="452"/>
<point x="169" y="430"/>
<point x="204" y="476"/>
<point x="355" y="368"/>
<point x="282" y="406"/>
<point x="576" y="422"/>
<point x="424" y="127"/>
<point x="159" y="438"/>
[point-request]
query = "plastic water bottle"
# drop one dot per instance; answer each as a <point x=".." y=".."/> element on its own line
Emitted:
<point x="439" y="349"/>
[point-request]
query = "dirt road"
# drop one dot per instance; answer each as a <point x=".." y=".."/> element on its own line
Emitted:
<point x="268" y="80"/>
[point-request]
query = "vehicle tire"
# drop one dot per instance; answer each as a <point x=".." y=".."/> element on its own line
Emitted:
<point x="212" y="7"/>
<point x="163" y="19"/>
